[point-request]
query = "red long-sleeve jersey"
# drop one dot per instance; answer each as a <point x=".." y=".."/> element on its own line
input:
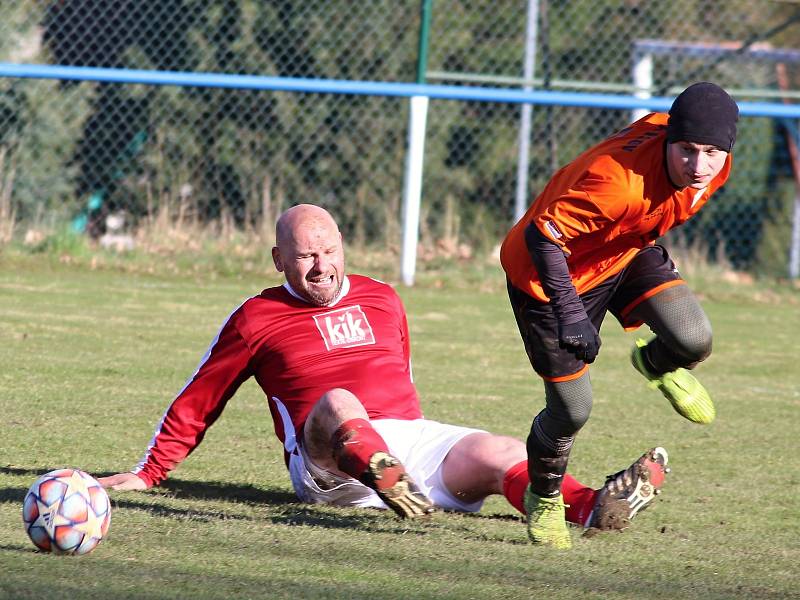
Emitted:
<point x="296" y="352"/>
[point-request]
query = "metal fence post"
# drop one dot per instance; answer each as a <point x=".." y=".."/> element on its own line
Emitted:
<point x="412" y="184"/>
<point x="521" y="197"/>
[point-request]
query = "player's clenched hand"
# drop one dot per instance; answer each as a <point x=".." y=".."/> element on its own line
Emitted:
<point x="581" y="339"/>
<point x="123" y="482"/>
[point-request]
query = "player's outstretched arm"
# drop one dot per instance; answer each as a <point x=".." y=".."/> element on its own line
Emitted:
<point x="123" y="482"/>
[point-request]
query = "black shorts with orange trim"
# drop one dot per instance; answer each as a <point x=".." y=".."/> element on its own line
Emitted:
<point x="650" y="271"/>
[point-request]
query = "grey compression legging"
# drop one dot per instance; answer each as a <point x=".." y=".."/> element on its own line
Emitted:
<point x="683" y="339"/>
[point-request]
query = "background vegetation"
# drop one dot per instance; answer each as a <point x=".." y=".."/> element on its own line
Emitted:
<point x="73" y="153"/>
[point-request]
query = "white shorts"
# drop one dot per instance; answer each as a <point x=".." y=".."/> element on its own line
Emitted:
<point x="421" y="445"/>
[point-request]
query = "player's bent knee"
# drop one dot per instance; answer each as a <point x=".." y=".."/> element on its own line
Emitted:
<point x="694" y="341"/>
<point x="336" y="400"/>
<point x="681" y="324"/>
<point x="338" y="395"/>
<point x="507" y="450"/>
<point x="701" y="349"/>
<point x="335" y="407"/>
<point x="579" y="415"/>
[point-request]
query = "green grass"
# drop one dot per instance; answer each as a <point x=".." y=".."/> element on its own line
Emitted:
<point x="91" y="358"/>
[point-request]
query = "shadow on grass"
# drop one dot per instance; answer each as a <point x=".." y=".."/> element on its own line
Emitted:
<point x="22" y="472"/>
<point x="186" y="490"/>
<point x="492" y="516"/>
<point x="285" y="508"/>
<point x="12" y="495"/>
<point x="220" y="490"/>
<point x="280" y="511"/>
<point x="30" y="549"/>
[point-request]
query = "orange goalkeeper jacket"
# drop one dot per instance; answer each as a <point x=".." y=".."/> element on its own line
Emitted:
<point x="606" y="205"/>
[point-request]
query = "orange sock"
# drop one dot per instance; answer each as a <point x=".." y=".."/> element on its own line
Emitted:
<point x="354" y="443"/>
<point x="578" y="497"/>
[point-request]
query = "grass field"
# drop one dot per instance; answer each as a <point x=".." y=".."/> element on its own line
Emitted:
<point x="91" y="358"/>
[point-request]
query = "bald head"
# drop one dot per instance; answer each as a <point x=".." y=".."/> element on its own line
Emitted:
<point x="308" y="251"/>
<point x="300" y="218"/>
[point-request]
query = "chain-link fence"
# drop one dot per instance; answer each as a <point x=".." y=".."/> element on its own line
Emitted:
<point x="77" y="152"/>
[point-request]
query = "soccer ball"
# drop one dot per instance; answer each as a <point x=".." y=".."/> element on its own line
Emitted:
<point x="66" y="512"/>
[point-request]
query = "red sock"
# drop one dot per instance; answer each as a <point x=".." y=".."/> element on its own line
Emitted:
<point x="514" y="483"/>
<point x="579" y="497"/>
<point x="353" y="444"/>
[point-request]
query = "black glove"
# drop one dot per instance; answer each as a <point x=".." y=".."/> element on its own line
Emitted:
<point x="581" y="339"/>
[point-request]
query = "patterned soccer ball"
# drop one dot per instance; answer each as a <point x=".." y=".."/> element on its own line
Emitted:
<point x="66" y="512"/>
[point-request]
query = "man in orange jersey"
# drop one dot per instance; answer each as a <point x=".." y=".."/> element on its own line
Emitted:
<point x="586" y="246"/>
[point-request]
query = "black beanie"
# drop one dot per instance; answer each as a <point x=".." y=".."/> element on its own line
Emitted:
<point x="704" y="114"/>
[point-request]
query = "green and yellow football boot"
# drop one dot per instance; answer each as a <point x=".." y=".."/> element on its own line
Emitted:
<point x="547" y="524"/>
<point x="687" y="395"/>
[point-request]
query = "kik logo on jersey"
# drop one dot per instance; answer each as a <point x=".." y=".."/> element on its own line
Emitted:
<point x="344" y="328"/>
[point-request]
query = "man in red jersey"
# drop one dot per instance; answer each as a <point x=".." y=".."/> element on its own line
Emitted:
<point x="586" y="246"/>
<point x="332" y="354"/>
